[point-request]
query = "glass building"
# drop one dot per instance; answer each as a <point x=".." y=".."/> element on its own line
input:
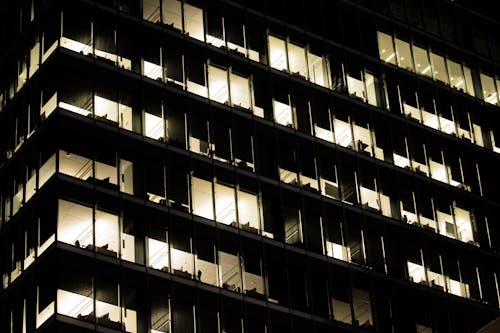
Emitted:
<point x="225" y="166"/>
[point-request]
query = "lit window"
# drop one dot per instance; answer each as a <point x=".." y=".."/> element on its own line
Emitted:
<point x="217" y="84"/>
<point x="421" y="58"/>
<point x="277" y="53"/>
<point x="439" y="68"/>
<point x="171" y="13"/>
<point x="386" y="48"/>
<point x="490" y="94"/>
<point x="193" y="21"/>
<point x="457" y="79"/>
<point x="151" y="10"/>
<point x="405" y="59"/>
<point x="283" y="113"/>
<point x="297" y="60"/>
<point x="202" y="198"/>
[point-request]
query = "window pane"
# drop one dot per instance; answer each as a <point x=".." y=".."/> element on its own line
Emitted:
<point x="318" y="70"/>
<point x="172" y="13"/>
<point x="283" y="113"/>
<point x="385" y="48"/>
<point x="422" y="65"/>
<point x="468" y="81"/>
<point x="277" y="53"/>
<point x="404" y="55"/>
<point x="240" y="91"/>
<point x="193" y="21"/>
<point x="456" y="75"/>
<point x="489" y="92"/>
<point x="225" y="208"/>
<point x="297" y="59"/>
<point x="74" y="224"/>
<point x="439" y="68"/>
<point x="217" y="84"/>
<point x="106" y="233"/>
<point x="202" y="198"/>
<point x="75" y="165"/>
<point x="151" y="10"/>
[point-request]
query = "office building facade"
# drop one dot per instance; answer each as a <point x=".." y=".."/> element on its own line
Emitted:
<point x="271" y="166"/>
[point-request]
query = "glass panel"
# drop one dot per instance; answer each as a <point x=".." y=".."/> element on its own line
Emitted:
<point x="75" y="165"/>
<point x="182" y="263"/>
<point x="429" y="119"/>
<point x="106" y="306"/>
<point x="464" y="225"/>
<point x="422" y="64"/>
<point x="240" y="91"/>
<point x="151" y="10"/>
<point x="105" y="109"/>
<point x="363" y="139"/>
<point x="362" y="307"/>
<point x="217" y="84"/>
<point x="277" y="53"/>
<point x="75" y="305"/>
<point x="282" y="113"/>
<point x="152" y="70"/>
<point x="439" y="68"/>
<point x="160" y="314"/>
<point x="193" y="21"/>
<point x="416" y="272"/>
<point x="343" y="134"/>
<point x="207" y="272"/>
<point x="75" y="296"/>
<point x="47" y="170"/>
<point x="248" y="211"/>
<point x="49" y="107"/>
<point x="318" y="70"/>
<point x="30" y="187"/>
<point x="371" y="88"/>
<point x="297" y="60"/>
<point x="230" y="271"/>
<point x="356" y="87"/>
<point x="468" y="81"/>
<point x="404" y="57"/>
<point x="202" y="198"/>
<point x="438" y="171"/>
<point x="158" y="254"/>
<point x="74" y="224"/>
<point x="369" y="198"/>
<point x="154" y="126"/>
<point x="106" y="233"/>
<point x="171" y="13"/>
<point x="105" y="173"/>
<point x="225" y="206"/>
<point x="34" y="58"/>
<point x="127" y="177"/>
<point x="489" y="91"/>
<point x="457" y="79"/>
<point x="125" y="116"/>
<point x="386" y="48"/>
<point x="446" y="225"/>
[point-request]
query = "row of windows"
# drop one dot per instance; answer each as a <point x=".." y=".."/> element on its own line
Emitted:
<point x="237" y="265"/>
<point x="239" y="268"/>
<point x="243" y="206"/>
<point x="416" y="59"/>
<point x="473" y="34"/>
<point x="350" y="131"/>
<point x="288" y="56"/>
<point x="293" y="164"/>
<point x="168" y="307"/>
<point x="227" y="85"/>
<point x="454" y="24"/>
